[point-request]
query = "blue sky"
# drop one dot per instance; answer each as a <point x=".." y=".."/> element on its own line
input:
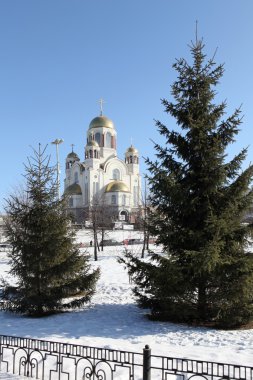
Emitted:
<point x="58" y="57"/>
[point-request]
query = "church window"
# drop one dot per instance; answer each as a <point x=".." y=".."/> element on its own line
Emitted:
<point x="76" y="177"/>
<point x="108" y="140"/>
<point x="113" y="142"/>
<point x="116" y="174"/>
<point x="113" y="199"/>
<point x="71" y="202"/>
<point x="97" y="138"/>
<point x="123" y="199"/>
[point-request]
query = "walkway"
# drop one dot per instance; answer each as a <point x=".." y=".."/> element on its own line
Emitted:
<point x="8" y="376"/>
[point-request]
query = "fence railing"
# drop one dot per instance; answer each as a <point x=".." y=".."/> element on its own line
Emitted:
<point x="48" y="360"/>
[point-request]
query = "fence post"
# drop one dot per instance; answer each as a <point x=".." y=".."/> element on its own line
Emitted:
<point x="147" y="363"/>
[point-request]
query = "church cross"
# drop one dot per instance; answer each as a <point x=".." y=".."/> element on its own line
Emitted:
<point x="101" y="102"/>
<point x="72" y="145"/>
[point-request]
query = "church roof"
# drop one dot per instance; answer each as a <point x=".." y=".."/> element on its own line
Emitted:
<point x="73" y="189"/>
<point x="132" y="149"/>
<point x="101" y="121"/>
<point x="74" y="156"/>
<point x="116" y="186"/>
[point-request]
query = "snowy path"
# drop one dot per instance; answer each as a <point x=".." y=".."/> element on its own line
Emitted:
<point x="7" y="376"/>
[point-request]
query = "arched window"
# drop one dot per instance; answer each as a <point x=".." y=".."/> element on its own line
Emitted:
<point x="123" y="199"/>
<point x="116" y="174"/>
<point x="76" y="177"/>
<point x="108" y="140"/>
<point x="123" y="215"/>
<point x="113" y="142"/>
<point x="97" y="138"/>
<point x="113" y="199"/>
<point x="71" y="203"/>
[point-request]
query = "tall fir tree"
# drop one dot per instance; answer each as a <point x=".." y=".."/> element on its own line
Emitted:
<point x="199" y="199"/>
<point x="51" y="273"/>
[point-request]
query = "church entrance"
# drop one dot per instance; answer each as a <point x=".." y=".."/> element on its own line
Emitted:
<point x="123" y="216"/>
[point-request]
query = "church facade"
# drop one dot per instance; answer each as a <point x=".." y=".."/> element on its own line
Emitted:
<point x="103" y="178"/>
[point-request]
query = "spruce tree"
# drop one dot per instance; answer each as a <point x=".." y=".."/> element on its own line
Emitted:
<point x="199" y="198"/>
<point x="51" y="273"/>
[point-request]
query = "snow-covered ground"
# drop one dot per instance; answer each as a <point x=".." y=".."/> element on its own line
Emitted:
<point x="113" y="320"/>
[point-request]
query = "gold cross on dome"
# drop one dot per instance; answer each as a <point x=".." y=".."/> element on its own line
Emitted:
<point x="101" y="102"/>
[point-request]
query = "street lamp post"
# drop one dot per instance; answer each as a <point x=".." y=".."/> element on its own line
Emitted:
<point x="57" y="142"/>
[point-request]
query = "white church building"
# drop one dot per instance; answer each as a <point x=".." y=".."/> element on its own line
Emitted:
<point x="102" y="177"/>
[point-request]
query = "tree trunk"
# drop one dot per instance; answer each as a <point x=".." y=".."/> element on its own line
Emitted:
<point x="95" y="243"/>
<point x="144" y="241"/>
<point x="103" y="235"/>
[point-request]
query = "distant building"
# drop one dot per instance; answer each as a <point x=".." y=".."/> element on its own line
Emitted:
<point x="102" y="177"/>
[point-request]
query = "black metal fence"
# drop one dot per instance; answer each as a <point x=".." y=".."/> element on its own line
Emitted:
<point x="47" y="360"/>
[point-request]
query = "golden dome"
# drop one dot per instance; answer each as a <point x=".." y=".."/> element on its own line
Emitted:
<point x="74" y="156"/>
<point x="116" y="186"/>
<point x="92" y="143"/>
<point x="73" y="189"/>
<point x="101" y="121"/>
<point x="132" y="149"/>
